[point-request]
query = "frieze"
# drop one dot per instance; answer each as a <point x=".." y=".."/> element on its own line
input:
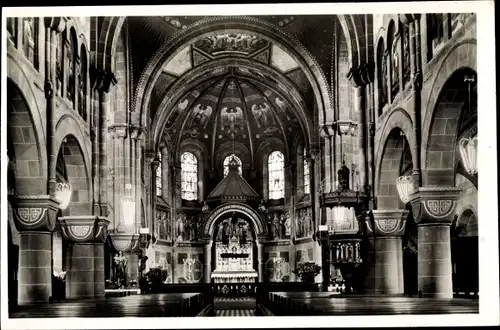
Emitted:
<point x="240" y="43"/>
<point x="30" y="216"/>
<point x="80" y="232"/>
<point x="439" y="208"/>
<point x="387" y="225"/>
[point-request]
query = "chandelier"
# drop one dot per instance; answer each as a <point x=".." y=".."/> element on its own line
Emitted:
<point x="468" y="152"/>
<point x="405" y="187"/>
<point x="63" y="194"/>
<point x="468" y="146"/>
<point x="128" y="206"/>
<point x="404" y="183"/>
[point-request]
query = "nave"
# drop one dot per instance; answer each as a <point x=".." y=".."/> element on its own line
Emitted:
<point x="235" y="307"/>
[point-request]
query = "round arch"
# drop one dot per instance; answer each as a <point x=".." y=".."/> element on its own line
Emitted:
<point x="69" y="139"/>
<point x="110" y="28"/>
<point x="185" y="83"/>
<point x="256" y="26"/>
<point x="397" y="118"/>
<point x="208" y="227"/>
<point x="26" y="134"/>
<point x="461" y="56"/>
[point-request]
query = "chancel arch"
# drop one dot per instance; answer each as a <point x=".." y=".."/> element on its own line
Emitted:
<point x="229" y="208"/>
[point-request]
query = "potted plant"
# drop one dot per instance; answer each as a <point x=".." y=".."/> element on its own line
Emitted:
<point x="307" y="271"/>
<point x="153" y="279"/>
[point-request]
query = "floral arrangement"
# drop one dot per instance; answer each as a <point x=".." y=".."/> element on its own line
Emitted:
<point x="307" y="271"/>
<point x="60" y="276"/>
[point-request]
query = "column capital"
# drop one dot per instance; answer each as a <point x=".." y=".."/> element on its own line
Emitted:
<point x="84" y="228"/>
<point x="118" y="131"/>
<point x="387" y="223"/>
<point x="434" y="204"/>
<point x="35" y="212"/>
<point x="124" y="242"/>
<point x="136" y="132"/>
<point x="58" y="24"/>
<point x="406" y="19"/>
<point x="327" y="130"/>
<point x="102" y="80"/>
<point x="48" y="89"/>
<point x="362" y="75"/>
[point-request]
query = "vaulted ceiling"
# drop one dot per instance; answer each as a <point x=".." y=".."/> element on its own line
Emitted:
<point x="232" y="102"/>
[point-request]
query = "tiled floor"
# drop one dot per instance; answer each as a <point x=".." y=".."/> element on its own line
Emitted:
<point x="240" y="306"/>
<point x="235" y="312"/>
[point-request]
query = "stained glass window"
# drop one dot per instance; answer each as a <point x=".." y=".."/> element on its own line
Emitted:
<point x="189" y="176"/>
<point x="159" y="177"/>
<point x="276" y="175"/>
<point x="226" y="164"/>
<point x="307" y="189"/>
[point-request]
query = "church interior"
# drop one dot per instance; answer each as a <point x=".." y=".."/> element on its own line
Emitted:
<point x="185" y="165"/>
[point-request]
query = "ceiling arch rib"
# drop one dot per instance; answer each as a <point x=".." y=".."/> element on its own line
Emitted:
<point x="251" y="25"/>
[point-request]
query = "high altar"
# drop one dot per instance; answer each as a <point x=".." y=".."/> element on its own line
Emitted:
<point x="234" y="253"/>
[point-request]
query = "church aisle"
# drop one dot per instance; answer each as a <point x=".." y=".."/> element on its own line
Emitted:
<point x="234" y="306"/>
<point x="235" y="312"/>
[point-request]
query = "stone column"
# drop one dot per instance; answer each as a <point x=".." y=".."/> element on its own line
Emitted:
<point x="208" y="260"/>
<point x="81" y="256"/>
<point x="53" y="26"/>
<point x="412" y="21"/>
<point x="35" y="219"/>
<point x="387" y="229"/>
<point x="433" y="210"/>
<point x="99" y="240"/>
<point x="260" y="257"/>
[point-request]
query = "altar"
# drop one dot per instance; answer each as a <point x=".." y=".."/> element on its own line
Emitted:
<point x="234" y="272"/>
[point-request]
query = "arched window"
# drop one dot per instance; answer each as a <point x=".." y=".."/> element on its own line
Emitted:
<point x="276" y="175"/>
<point x="307" y="181"/>
<point x="435" y="33"/>
<point x="406" y="54"/>
<point x="189" y="176"/>
<point x="382" y="76"/>
<point x="29" y="38"/>
<point x="70" y="62"/>
<point x="226" y="164"/>
<point x="159" y="176"/>
<point x="82" y="84"/>
<point x="59" y="61"/>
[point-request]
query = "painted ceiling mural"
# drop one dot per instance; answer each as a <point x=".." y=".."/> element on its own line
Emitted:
<point x="232" y="108"/>
<point x="244" y="104"/>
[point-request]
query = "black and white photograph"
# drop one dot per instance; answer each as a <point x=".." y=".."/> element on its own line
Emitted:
<point x="184" y="166"/>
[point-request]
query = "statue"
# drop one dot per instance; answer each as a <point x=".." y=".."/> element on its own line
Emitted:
<point x="262" y="206"/>
<point x="179" y="225"/>
<point x="307" y="222"/>
<point x="168" y="228"/>
<point x="120" y="266"/>
<point x="205" y="207"/>
<point x="192" y="229"/>
<point x="275" y="227"/>
<point x="225" y="233"/>
<point x="282" y="226"/>
<point x="287" y="224"/>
